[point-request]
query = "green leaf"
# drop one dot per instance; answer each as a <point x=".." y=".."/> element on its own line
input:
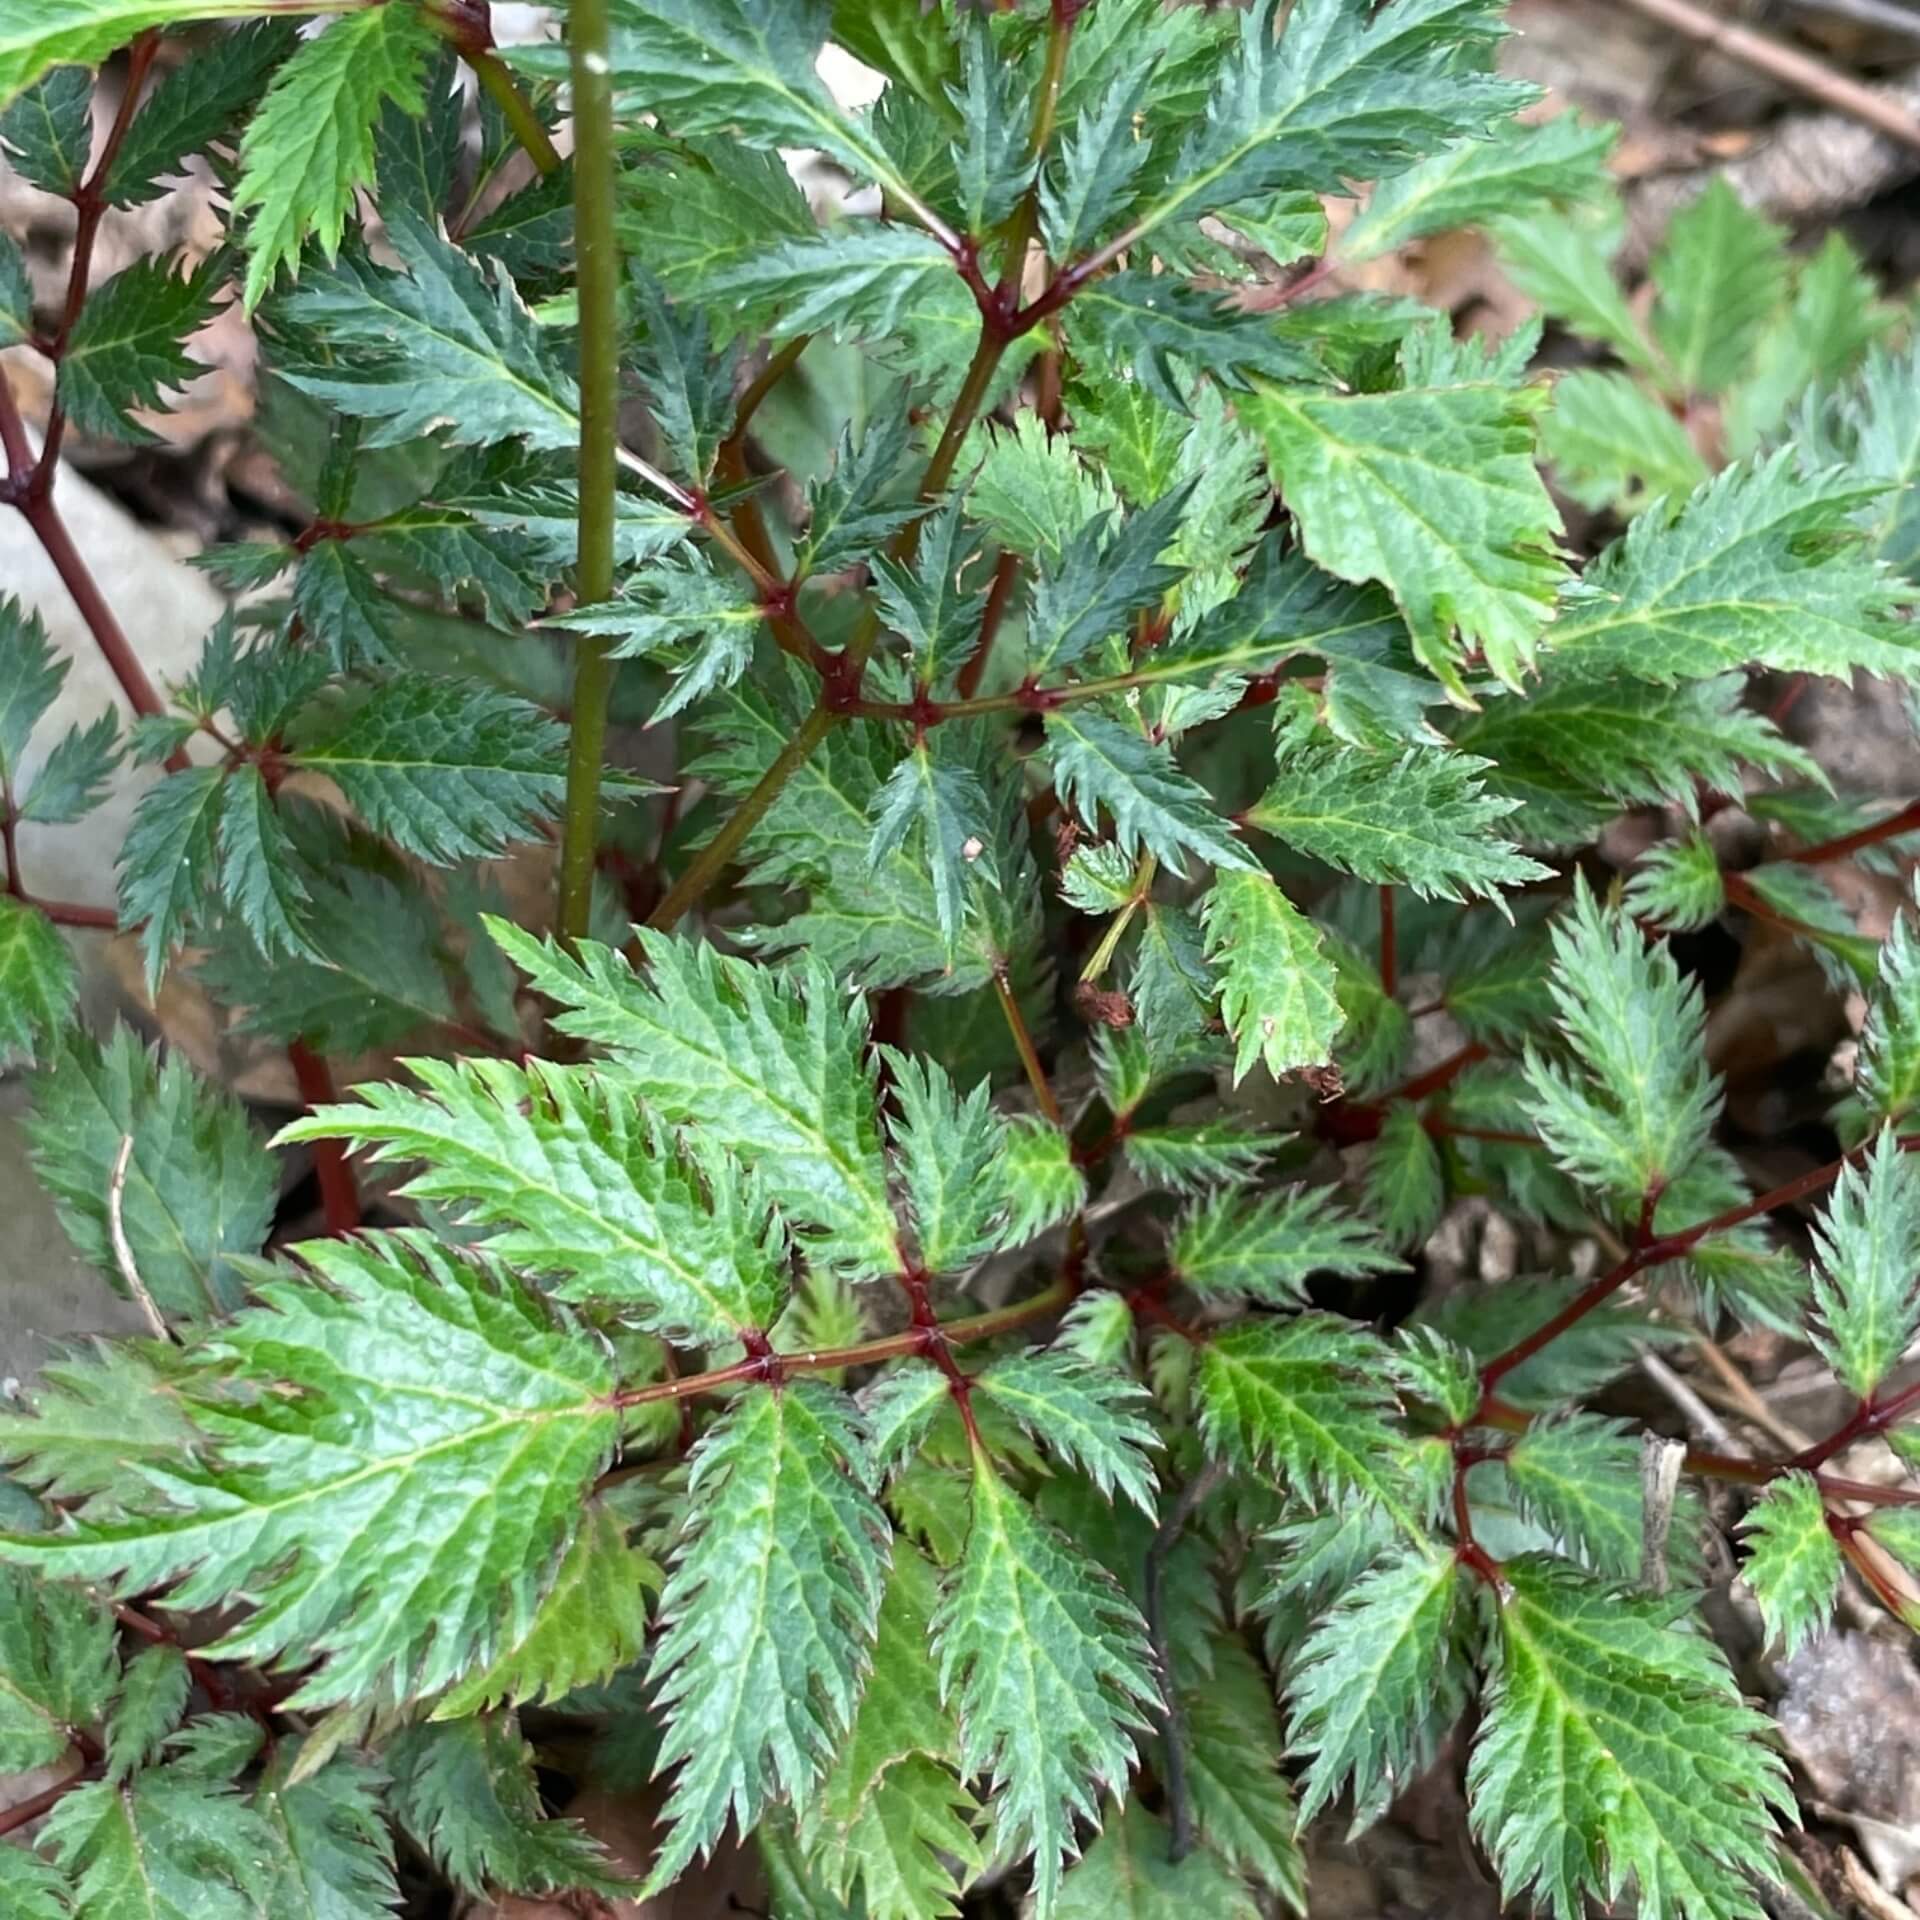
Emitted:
<point x="578" y="1187"/>
<point x="1089" y="1416"/>
<point x="930" y="604"/>
<point x="1719" y="275"/>
<point x="1406" y="1185"/>
<point x="1049" y="1665"/>
<point x="1638" y="1101"/>
<point x="199" y="1189"/>
<point x="34" y="1888"/>
<point x="1266" y="1247"/>
<point x="1306" y="1396"/>
<point x="16" y="296"/>
<point x="57" y="1668"/>
<point x="438" y="347"/>
<point x="72" y="779"/>
<point x="890" y="1819"/>
<point x="152" y="1698"/>
<point x="1678" y="884"/>
<point x="1336" y="96"/>
<point x="262" y="877"/>
<point x="1032" y="492"/>
<point x="1090" y="180"/>
<point x="1793" y="1560"/>
<point x="166" y="1846"/>
<point x="1277" y="990"/>
<point x="335" y="1849"/>
<point x="946" y="809"/>
<point x="1613" y="444"/>
<point x="38" y="984"/>
<point x="1108" y="571"/>
<point x="760" y="1676"/>
<point x="861" y="501"/>
<point x="309" y="147"/>
<point x="1434" y="493"/>
<point x="1888" y="1075"/>
<point x="591" y="1623"/>
<point x="1100" y="762"/>
<point x="38" y="34"/>
<point x="1580" y="1477"/>
<point x="195" y="104"/>
<point x="1864" y="1286"/>
<point x="465" y="1791"/>
<point x="360" y="1515"/>
<point x="129" y="344"/>
<point x="1379" y="1683"/>
<point x="48" y="132"/>
<point x="165" y="861"/>
<point x="1129" y="1873"/>
<point x="863" y="281"/>
<point x="1466" y="183"/>
<point x="771" y="1069"/>
<point x="1564" y="264"/>
<point x="1615" y="1749"/>
<point x="1044" y="1183"/>
<point x="1423" y="821"/>
<point x="691" y="390"/>
<point x="1763" y="566"/>
<point x="447" y="770"/>
<point x="947" y="1153"/>
<point x="1166" y="330"/>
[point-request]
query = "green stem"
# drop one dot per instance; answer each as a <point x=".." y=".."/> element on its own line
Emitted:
<point x="598" y="282"/>
<point x="516" y="109"/>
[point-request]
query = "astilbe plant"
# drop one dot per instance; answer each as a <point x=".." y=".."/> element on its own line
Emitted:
<point x="892" y="1342"/>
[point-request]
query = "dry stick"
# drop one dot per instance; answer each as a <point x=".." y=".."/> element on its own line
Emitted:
<point x="1043" y="1093"/>
<point x="122" y="1251"/>
<point x="1788" y="65"/>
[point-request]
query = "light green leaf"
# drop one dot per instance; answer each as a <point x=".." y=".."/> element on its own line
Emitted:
<point x="1612" y="443"/>
<point x="57" y="1668"/>
<point x="1793" y="1560"/>
<point x="1089" y="1416"/>
<point x="1888" y="1075"/>
<point x="152" y="1698"/>
<point x="38" y="985"/>
<point x="760" y="1675"/>
<point x="1719" y="275"/>
<point x="1679" y="885"/>
<point x="1865" y="1284"/>
<point x="1129" y="1873"/>
<point x="1277" y="989"/>
<point x="1266" y="1247"/>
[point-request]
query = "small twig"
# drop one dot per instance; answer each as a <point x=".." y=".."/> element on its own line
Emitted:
<point x="1746" y="1401"/>
<point x="1788" y="65"/>
<point x="1043" y="1093"/>
<point x="122" y="1250"/>
<point x="1174" y="1728"/>
<point x="1701" y="1416"/>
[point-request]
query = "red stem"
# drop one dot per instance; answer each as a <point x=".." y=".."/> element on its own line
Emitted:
<point x="1444" y="1074"/>
<point x="1895" y="824"/>
<point x="1006" y="571"/>
<point x="339" y="1197"/>
<point x="25" y="1812"/>
<point x="1870" y="1417"/>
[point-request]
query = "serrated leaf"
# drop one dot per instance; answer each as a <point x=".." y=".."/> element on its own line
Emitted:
<point x="1613" y="444"/>
<point x="1888" y="1074"/>
<point x="1100" y="762"/>
<point x="1762" y="566"/>
<point x="57" y="1668"/>
<point x="1044" y="1183"/>
<point x="1719" y="274"/>
<point x="1678" y="884"/>
<point x="1615" y="1749"/>
<point x="16" y="296"/>
<point x="1559" y="160"/>
<point x="363" y="1521"/>
<point x="439" y="346"/>
<point x="1267" y="1246"/>
<point x="1580" y="1478"/>
<point x="1049" y="1665"/>
<point x="309" y="147"/>
<point x="770" y="1069"/>
<point x="591" y="1622"/>
<point x="446" y="770"/>
<point x="38" y="983"/>
<point x="34" y="1888"/>
<point x="1379" y="1682"/>
<point x="862" y="501"/>
<point x="1107" y="572"/>
<point x="48" y="132"/>
<point x="930" y="605"/>
<point x="335" y="1849"/>
<point x="1423" y="821"/>
<point x="199" y="1188"/>
<point x="166" y="859"/>
<point x="465" y="1791"/>
<point x="1793" y="1560"/>
<point x="1638" y="1102"/>
<point x="760" y="1677"/>
<point x="1406" y="1185"/>
<point x="946" y="809"/>
<point x="1869" y="1247"/>
<point x="1306" y="1396"/>
<point x="1277" y="991"/>
<point x="580" y="1188"/>
<point x="128" y="344"/>
<point x="151" y="1700"/>
<point x="195" y="104"/>
<point x="1473" y="565"/>
<point x="72" y="779"/>
<point x="1090" y="180"/>
<point x="261" y="874"/>
<point x="1089" y="1416"/>
<point x="1564" y="263"/>
<point x="691" y="391"/>
<point x="165" y="1846"/>
<point x="1129" y="1873"/>
<point x="947" y="1152"/>
<point x="1336" y="96"/>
